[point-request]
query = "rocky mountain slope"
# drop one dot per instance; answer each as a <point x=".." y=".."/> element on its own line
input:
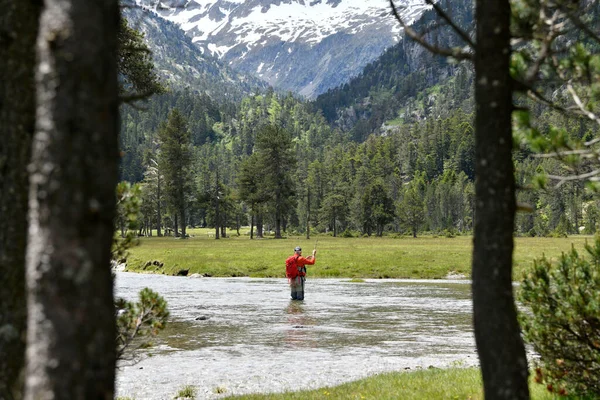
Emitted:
<point x="305" y="46"/>
<point x="183" y="65"/>
<point x="406" y="84"/>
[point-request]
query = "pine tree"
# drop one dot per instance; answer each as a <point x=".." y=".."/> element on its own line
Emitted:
<point x="175" y="159"/>
<point x="274" y="146"/>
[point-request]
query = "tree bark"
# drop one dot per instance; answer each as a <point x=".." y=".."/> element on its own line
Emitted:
<point x="158" y="210"/>
<point x="499" y="344"/>
<point x="259" y="225"/>
<point x="176" y="225"/>
<point x="18" y="32"/>
<point x="182" y="213"/>
<point x="307" y="214"/>
<point x="277" y="214"/>
<point x="71" y="324"/>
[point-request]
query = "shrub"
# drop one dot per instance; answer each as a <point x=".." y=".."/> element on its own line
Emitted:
<point x="563" y="320"/>
<point x="138" y="323"/>
<point x="187" y="392"/>
<point x="449" y="233"/>
<point x="348" y="233"/>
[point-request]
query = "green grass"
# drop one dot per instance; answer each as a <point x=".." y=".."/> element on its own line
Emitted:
<point x="433" y="384"/>
<point x="356" y="280"/>
<point x="386" y="257"/>
<point x="395" y="122"/>
<point x="187" y="392"/>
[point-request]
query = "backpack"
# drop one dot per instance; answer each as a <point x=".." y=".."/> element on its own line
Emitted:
<point x="291" y="267"/>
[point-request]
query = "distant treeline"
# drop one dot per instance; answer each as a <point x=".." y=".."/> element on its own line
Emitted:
<point x="275" y="163"/>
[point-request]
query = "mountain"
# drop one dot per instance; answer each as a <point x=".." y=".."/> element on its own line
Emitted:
<point x="183" y="65"/>
<point x="407" y="83"/>
<point x="305" y="46"/>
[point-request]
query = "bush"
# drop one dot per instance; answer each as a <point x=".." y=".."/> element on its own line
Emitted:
<point x="348" y="233"/>
<point x="563" y="320"/>
<point x="450" y="233"/>
<point x="138" y="323"/>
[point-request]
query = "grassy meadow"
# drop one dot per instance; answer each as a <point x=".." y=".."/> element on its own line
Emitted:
<point x="366" y="257"/>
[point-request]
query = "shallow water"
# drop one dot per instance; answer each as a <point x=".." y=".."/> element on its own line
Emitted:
<point x="252" y="335"/>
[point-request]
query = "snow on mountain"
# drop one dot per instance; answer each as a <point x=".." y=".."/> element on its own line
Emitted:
<point x="306" y="46"/>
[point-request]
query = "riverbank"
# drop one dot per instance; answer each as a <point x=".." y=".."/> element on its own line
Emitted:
<point x="427" y="257"/>
<point x="431" y="384"/>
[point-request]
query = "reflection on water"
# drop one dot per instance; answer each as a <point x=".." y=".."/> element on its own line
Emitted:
<point x="299" y="324"/>
<point x="243" y="335"/>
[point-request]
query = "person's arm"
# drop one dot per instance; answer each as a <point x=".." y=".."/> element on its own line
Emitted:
<point x="310" y="260"/>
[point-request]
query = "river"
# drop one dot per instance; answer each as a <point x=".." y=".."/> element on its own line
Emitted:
<point x="243" y="335"/>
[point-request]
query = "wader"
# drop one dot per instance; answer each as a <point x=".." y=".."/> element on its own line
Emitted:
<point x="297" y="285"/>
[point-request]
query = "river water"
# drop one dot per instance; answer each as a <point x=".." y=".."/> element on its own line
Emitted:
<point x="243" y="335"/>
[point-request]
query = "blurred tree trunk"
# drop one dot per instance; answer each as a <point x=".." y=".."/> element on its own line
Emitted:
<point x="259" y="225"/>
<point x="158" y="209"/>
<point x="18" y="33"/>
<point x="497" y="333"/>
<point x="71" y="326"/>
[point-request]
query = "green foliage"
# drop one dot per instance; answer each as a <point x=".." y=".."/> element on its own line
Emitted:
<point x="175" y="162"/>
<point x="563" y="320"/>
<point x="138" y="80"/>
<point x="128" y="213"/>
<point x="139" y="322"/>
<point x="187" y="392"/>
<point x="334" y="209"/>
<point x="347" y="233"/>
<point x="411" y="210"/>
<point x="275" y="162"/>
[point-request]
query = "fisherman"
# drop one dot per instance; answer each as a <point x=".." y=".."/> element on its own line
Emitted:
<point x="296" y="271"/>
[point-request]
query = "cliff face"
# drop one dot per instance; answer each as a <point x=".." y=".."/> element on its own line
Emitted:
<point x="304" y="46"/>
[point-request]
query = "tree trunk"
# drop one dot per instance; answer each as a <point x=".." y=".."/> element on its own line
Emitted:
<point x="308" y="215"/>
<point x="277" y="227"/>
<point x="158" y="210"/>
<point x="182" y="213"/>
<point x="252" y="226"/>
<point x="71" y="323"/>
<point x="175" y="225"/>
<point x="259" y="225"/>
<point x="277" y="220"/>
<point x="497" y="334"/>
<point x="217" y="219"/>
<point x="18" y="32"/>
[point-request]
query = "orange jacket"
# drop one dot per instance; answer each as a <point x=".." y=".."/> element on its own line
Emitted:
<point x="301" y="261"/>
